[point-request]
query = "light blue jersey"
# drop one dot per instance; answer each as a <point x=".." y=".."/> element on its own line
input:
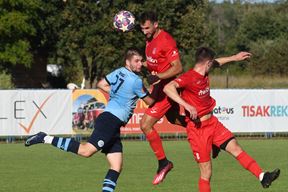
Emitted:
<point x="126" y="89"/>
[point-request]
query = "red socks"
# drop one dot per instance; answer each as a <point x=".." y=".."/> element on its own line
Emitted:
<point x="248" y="163"/>
<point x="156" y="144"/>
<point x="204" y="185"/>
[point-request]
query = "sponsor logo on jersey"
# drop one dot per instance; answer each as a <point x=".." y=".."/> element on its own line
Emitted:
<point x="204" y="91"/>
<point x="151" y="60"/>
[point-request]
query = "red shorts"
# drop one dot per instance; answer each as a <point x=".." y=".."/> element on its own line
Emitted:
<point x="162" y="103"/>
<point x="202" y="135"/>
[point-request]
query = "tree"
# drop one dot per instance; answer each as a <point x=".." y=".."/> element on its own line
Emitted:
<point x="27" y="35"/>
<point x="89" y="47"/>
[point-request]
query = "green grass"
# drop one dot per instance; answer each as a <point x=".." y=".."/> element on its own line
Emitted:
<point x="43" y="168"/>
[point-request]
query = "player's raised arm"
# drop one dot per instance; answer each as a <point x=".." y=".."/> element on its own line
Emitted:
<point x="238" y="57"/>
<point x="104" y="85"/>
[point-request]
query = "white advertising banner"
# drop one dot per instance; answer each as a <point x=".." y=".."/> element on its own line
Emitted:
<point x="242" y="110"/>
<point x="26" y="112"/>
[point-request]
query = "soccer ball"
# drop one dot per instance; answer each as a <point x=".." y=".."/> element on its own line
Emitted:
<point x="124" y="21"/>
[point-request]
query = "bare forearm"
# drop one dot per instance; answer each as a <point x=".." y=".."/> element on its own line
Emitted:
<point x="238" y="57"/>
<point x="224" y="60"/>
<point x="171" y="91"/>
<point x="106" y="89"/>
<point x="174" y="70"/>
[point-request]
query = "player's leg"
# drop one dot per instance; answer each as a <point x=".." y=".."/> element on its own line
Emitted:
<point x="63" y="143"/>
<point x="146" y="124"/>
<point x="115" y="160"/>
<point x="200" y="136"/>
<point x="164" y="165"/>
<point x="250" y="164"/>
<point x="205" y="176"/>
<point x="225" y="139"/>
<point x="114" y="155"/>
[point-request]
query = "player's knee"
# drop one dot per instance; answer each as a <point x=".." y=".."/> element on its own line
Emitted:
<point x="234" y="148"/>
<point x="117" y="168"/>
<point x="206" y="173"/>
<point x="86" y="151"/>
<point x="206" y="170"/>
<point x="145" y="126"/>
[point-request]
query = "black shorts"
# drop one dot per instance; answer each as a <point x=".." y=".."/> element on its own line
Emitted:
<point x="106" y="134"/>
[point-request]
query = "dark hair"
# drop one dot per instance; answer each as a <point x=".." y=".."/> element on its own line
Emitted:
<point x="148" y="15"/>
<point x="204" y="54"/>
<point x="130" y="52"/>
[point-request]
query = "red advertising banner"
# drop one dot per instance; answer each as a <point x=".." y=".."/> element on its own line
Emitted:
<point x="89" y="103"/>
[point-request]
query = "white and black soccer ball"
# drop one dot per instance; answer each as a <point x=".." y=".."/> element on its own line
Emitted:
<point x="124" y="21"/>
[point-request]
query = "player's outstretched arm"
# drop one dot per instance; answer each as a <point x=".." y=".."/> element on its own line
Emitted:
<point x="104" y="85"/>
<point x="171" y="91"/>
<point x="238" y="57"/>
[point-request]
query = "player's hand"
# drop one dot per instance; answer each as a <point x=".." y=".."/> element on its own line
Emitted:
<point x="153" y="79"/>
<point x="192" y="111"/>
<point x="242" y="56"/>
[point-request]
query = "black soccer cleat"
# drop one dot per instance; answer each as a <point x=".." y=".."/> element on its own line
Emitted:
<point x="35" y="139"/>
<point x="215" y="151"/>
<point x="269" y="177"/>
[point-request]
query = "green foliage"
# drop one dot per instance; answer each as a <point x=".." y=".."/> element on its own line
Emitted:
<point x="87" y="37"/>
<point x="80" y="36"/>
<point x="270" y="57"/>
<point x="5" y="80"/>
<point x="263" y="22"/>
<point x="27" y="32"/>
<point x="257" y="28"/>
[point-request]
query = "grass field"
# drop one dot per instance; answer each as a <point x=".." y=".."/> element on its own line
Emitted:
<point x="43" y="168"/>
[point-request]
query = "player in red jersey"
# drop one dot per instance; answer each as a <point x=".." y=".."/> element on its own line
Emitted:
<point x="163" y="61"/>
<point x="204" y="129"/>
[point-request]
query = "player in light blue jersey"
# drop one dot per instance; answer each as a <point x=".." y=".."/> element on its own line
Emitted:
<point x="125" y="88"/>
<point x="123" y="101"/>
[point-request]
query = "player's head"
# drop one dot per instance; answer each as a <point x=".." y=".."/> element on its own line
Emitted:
<point x="205" y="56"/>
<point x="133" y="60"/>
<point x="149" y="24"/>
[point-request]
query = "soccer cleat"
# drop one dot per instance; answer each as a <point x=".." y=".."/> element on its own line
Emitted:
<point x="34" y="139"/>
<point x="160" y="176"/>
<point x="269" y="177"/>
<point x="215" y="151"/>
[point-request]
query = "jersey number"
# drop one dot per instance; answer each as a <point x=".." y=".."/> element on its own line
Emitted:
<point x="121" y="81"/>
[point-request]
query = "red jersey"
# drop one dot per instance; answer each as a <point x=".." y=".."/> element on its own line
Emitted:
<point x="160" y="52"/>
<point x="196" y="91"/>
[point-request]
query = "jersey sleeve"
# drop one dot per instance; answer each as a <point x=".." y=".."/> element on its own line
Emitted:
<point x="110" y="77"/>
<point x="140" y="89"/>
<point x="183" y="79"/>
<point x="170" y="49"/>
